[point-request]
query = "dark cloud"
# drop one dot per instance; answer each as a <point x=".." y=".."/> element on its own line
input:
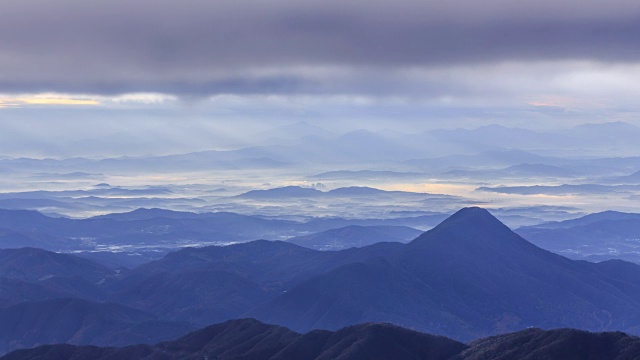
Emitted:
<point x="211" y="47"/>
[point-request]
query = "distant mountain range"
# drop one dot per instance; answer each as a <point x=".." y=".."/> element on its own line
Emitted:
<point x="628" y="179"/>
<point x="355" y="236"/>
<point x="305" y="143"/>
<point x="516" y="171"/>
<point x="564" y="189"/>
<point x="250" y="339"/>
<point x="596" y="237"/>
<point x="287" y="192"/>
<point x="582" y="137"/>
<point x="148" y="234"/>
<point x="584" y="160"/>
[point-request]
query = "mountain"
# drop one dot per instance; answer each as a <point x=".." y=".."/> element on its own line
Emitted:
<point x="29" y="274"/>
<point x="590" y="139"/>
<point x="14" y="291"/>
<point x="426" y="221"/>
<point x="469" y="277"/>
<point x="122" y="259"/>
<point x="280" y="193"/>
<point x="599" y="236"/>
<point x="213" y="284"/>
<point x="618" y="133"/>
<point x="25" y="220"/>
<point x="627" y="179"/>
<point x="515" y="171"/>
<point x="586" y="220"/>
<point x="147" y="234"/>
<point x="75" y="321"/>
<point x="198" y="296"/>
<point x="485" y="159"/>
<point x="367" y="191"/>
<point x="300" y="192"/>
<point x="564" y="189"/>
<point x="539" y="170"/>
<point x="146" y="214"/>
<point x="360" y="292"/>
<point x="11" y="239"/>
<point x="250" y="339"/>
<point x="565" y="344"/>
<point x="355" y="236"/>
<point x="141" y="228"/>
<point x="36" y="264"/>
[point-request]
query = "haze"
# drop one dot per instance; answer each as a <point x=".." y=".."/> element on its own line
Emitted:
<point x="479" y="103"/>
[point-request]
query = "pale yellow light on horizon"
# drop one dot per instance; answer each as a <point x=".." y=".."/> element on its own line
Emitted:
<point x="6" y="103"/>
<point x="56" y="101"/>
<point x="432" y="188"/>
<point x="22" y="101"/>
<point x="564" y="102"/>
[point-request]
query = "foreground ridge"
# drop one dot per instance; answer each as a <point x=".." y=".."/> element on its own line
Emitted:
<point x="251" y="339"/>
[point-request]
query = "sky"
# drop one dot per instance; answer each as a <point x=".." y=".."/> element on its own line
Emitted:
<point x="140" y="76"/>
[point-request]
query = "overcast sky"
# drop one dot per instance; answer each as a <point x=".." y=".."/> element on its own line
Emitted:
<point x="199" y="73"/>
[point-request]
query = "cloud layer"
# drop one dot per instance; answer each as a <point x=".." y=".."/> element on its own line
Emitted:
<point x="198" y="47"/>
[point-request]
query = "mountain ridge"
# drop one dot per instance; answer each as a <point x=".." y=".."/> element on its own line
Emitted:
<point x="251" y="339"/>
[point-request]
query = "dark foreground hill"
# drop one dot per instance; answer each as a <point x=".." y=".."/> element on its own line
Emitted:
<point x="561" y="344"/>
<point x="250" y="339"/>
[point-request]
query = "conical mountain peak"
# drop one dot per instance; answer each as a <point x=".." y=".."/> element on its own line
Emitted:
<point x="473" y="218"/>
<point x="472" y="226"/>
<point x="473" y="213"/>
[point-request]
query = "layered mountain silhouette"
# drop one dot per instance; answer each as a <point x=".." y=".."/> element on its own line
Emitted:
<point x="600" y="236"/>
<point x="147" y="234"/>
<point x="29" y="274"/>
<point x="36" y="264"/>
<point x="228" y="281"/>
<point x="355" y="236"/>
<point x="629" y="179"/>
<point x="250" y="339"/>
<point x="467" y="278"/>
<point x="515" y="171"/>
<point x="352" y="191"/>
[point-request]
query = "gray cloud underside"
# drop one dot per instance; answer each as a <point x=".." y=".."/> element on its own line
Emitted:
<point x="209" y="47"/>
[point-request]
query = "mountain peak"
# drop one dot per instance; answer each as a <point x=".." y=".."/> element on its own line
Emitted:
<point x="472" y="214"/>
<point x="471" y="227"/>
